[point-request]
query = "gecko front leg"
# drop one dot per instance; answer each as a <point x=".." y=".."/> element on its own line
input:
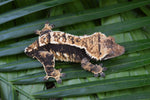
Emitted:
<point x="96" y="69"/>
<point x="48" y="61"/>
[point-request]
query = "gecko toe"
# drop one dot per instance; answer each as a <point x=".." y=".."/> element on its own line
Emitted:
<point x="105" y="68"/>
<point x="102" y="74"/>
<point x="59" y="81"/>
<point x="101" y="64"/>
<point x="60" y="70"/>
<point x="47" y="22"/>
<point x="63" y="74"/>
<point x="95" y="75"/>
<point x="45" y="78"/>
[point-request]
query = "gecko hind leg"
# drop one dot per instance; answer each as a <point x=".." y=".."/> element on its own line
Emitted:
<point x="96" y="69"/>
<point x="48" y="61"/>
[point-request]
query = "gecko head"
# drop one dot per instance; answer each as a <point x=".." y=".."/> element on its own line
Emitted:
<point x="30" y="50"/>
<point x="114" y="49"/>
<point x="44" y="39"/>
<point x="47" y="28"/>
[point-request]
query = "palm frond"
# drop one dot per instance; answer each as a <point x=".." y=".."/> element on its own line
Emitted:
<point x="59" y="21"/>
<point x="21" y="77"/>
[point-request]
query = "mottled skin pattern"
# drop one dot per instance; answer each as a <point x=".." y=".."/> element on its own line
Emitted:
<point x="57" y="45"/>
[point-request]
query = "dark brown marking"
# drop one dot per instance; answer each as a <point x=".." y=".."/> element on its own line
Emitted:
<point x="49" y="70"/>
<point x="37" y="43"/>
<point x="77" y="40"/>
<point x="49" y="37"/>
<point x="94" y="68"/>
<point x="91" y="65"/>
<point x="46" y="31"/>
<point x="72" y="39"/>
<point x="91" y="41"/>
<point x="77" y="58"/>
<point x="79" y="53"/>
<point x="64" y="36"/>
<point x="84" y="43"/>
<point x="54" y="35"/>
<point x="109" y="43"/>
<point x="99" y="46"/>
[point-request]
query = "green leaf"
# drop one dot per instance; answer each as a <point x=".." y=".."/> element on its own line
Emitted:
<point x="127" y="63"/>
<point x="73" y="18"/>
<point x="114" y="28"/>
<point x="15" y="48"/>
<point x="31" y="9"/>
<point x="68" y="14"/>
<point x="146" y="10"/>
<point x="5" y="2"/>
<point x="10" y="87"/>
<point x="134" y="96"/>
<point x="95" y="87"/>
<point x="22" y="64"/>
<point x="14" y="88"/>
<point x="134" y="46"/>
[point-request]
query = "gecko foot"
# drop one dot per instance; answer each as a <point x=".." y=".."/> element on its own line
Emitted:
<point x="98" y="70"/>
<point x="56" y="74"/>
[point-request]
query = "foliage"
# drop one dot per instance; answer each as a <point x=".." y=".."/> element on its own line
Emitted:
<point x="127" y="77"/>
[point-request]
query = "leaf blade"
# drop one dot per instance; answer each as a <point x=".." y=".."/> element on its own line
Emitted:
<point x="134" y="96"/>
<point x="5" y="2"/>
<point x="59" y="21"/>
<point x="28" y="10"/>
<point x="15" y="88"/>
<point x="119" y="27"/>
<point x="95" y="87"/>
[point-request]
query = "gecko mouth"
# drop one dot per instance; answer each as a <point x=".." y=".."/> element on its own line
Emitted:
<point x="114" y="53"/>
